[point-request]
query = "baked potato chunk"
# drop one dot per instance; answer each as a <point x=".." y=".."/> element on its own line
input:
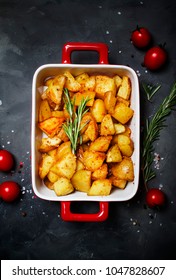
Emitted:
<point x="107" y="126"/>
<point x="122" y="113"/>
<point x="48" y="144"/>
<point x="104" y="84"/>
<point x="125" y="88"/>
<point x="55" y="89"/>
<point x="98" y="110"/>
<point x="114" y="154"/>
<point x="45" y="165"/>
<point x="125" y="145"/>
<point x="109" y="101"/>
<point x="93" y="160"/>
<point x="81" y="180"/>
<point x="71" y="83"/>
<point x="63" y="186"/>
<point x="124" y="170"/>
<point x="44" y="111"/>
<point x="100" y="173"/>
<point x="51" y="126"/>
<point x="118" y="183"/>
<point x="101" y="144"/>
<point x="79" y="96"/>
<point x="65" y="166"/>
<point x="101" y="187"/>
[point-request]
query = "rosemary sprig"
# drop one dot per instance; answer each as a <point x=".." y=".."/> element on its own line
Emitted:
<point x="152" y="132"/>
<point x="150" y="90"/>
<point x="72" y="127"/>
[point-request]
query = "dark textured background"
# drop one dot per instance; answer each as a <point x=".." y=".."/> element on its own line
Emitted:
<point x="32" y="33"/>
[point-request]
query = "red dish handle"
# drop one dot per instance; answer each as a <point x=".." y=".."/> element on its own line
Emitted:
<point x="101" y="48"/>
<point x="67" y="215"/>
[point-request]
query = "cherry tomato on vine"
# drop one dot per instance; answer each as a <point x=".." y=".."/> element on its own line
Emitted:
<point x="6" y="160"/>
<point x="9" y="191"/>
<point x="155" y="197"/>
<point x="155" y="58"/>
<point x="141" y="37"/>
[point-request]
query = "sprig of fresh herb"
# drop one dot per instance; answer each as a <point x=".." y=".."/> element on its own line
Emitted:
<point x="72" y="127"/>
<point x="150" y="90"/>
<point x="152" y="132"/>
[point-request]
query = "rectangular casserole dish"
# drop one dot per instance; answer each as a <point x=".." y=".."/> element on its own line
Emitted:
<point x="103" y="67"/>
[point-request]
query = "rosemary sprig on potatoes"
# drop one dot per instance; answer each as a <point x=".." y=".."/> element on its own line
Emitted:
<point x="72" y="127"/>
<point x="152" y="132"/>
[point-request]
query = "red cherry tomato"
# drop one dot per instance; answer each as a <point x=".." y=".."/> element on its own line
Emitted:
<point x="155" y="58"/>
<point x="9" y="191"/>
<point x="141" y="37"/>
<point x="6" y="160"/>
<point x="155" y="197"/>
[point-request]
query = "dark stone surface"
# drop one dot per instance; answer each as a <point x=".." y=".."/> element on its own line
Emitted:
<point x="32" y="33"/>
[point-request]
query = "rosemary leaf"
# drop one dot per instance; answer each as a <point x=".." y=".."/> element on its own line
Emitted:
<point x="152" y="132"/>
<point x="72" y="126"/>
<point x="150" y="90"/>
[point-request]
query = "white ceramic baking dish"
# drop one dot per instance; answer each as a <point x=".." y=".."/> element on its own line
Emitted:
<point x="102" y="68"/>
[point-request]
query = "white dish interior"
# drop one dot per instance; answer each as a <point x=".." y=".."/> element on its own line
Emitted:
<point x="54" y="69"/>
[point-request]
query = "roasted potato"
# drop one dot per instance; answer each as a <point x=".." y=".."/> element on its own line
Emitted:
<point x="65" y="166"/>
<point x="107" y="126"/>
<point x="104" y="84"/>
<point x="124" y="170"/>
<point x="63" y="186"/>
<point x="98" y="110"/>
<point x="100" y="187"/>
<point x="44" y="111"/>
<point x="81" y="180"/>
<point x="122" y="113"/>
<point x="93" y="160"/>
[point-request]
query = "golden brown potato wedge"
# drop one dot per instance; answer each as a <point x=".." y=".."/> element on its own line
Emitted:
<point x="92" y="130"/>
<point x="81" y="180"/>
<point x="101" y="144"/>
<point x="122" y="113"/>
<point x="71" y="83"/>
<point x="114" y="154"/>
<point x="52" y="177"/>
<point x="124" y="170"/>
<point x="44" y="111"/>
<point x="100" y="187"/>
<point x="51" y="126"/>
<point x="107" y="126"/>
<point x="109" y="101"/>
<point x="79" y="96"/>
<point x="65" y="167"/>
<point x="119" y="183"/>
<point x="126" y="145"/>
<point x="49" y="144"/>
<point x="98" y="110"/>
<point x="63" y="186"/>
<point x="100" y="173"/>
<point x="104" y="84"/>
<point x="93" y="160"/>
<point x="45" y="165"/>
<point x="55" y="89"/>
<point x="125" y="88"/>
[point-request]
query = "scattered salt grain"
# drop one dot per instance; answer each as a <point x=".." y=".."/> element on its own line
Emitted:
<point x="12" y="131"/>
<point x="100" y="7"/>
<point x="119" y="13"/>
<point x="8" y="142"/>
<point x="107" y="32"/>
<point x="110" y="41"/>
<point x="0" y="102"/>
